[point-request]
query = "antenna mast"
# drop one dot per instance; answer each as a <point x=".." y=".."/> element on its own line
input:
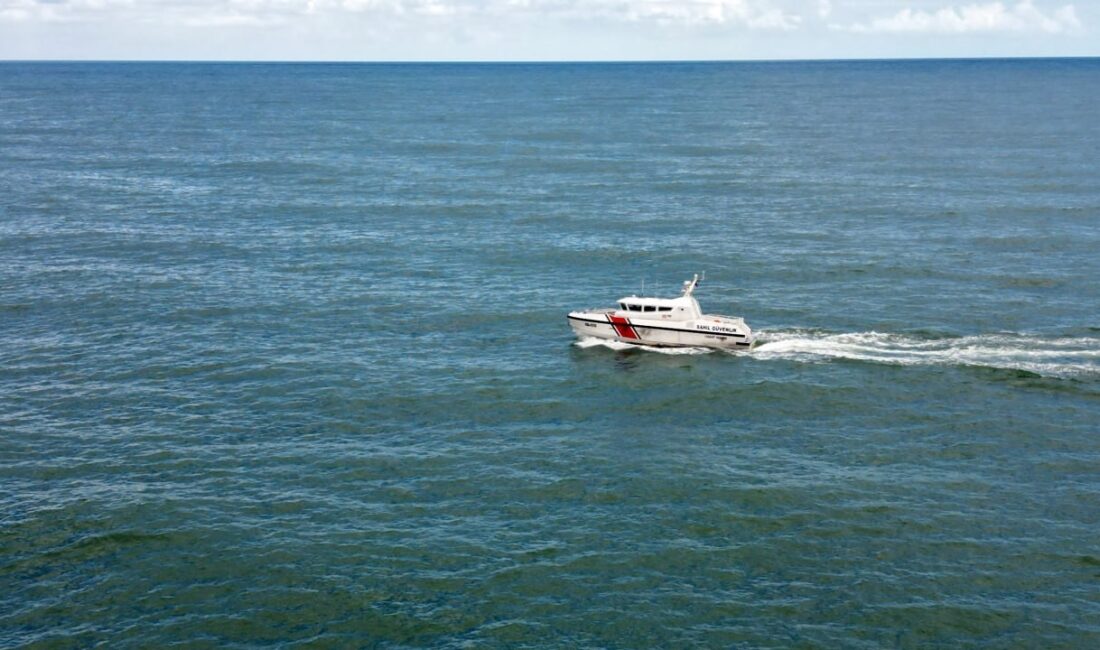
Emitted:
<point x="689" y="285"/>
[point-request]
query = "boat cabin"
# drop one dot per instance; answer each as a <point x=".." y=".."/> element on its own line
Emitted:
<point x="682" y="308"/>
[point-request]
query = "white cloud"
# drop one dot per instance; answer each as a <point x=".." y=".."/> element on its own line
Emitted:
<point x="774" y="19"/>
<point x="690" y="11"/>
<point x="989" y="17"/>
<point x="438" y="9"/>
<point x="56" y="11"/>
<point x="17" y="11"/>
<point x="664" y="28"/>
<point x="753" y="14"/>
<point x="230" y="20"/>
<point x="390" y="6"/>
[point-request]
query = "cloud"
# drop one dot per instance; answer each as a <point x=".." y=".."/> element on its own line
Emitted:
<point x="753" y="14"/>
<point x="56" y="11"/>
<point x="230" y="20"/>
<point x="696" y="12"/>
<point x="999" y="16"/>
<point x="749" y="14"/>
<point x="989" y="17"/>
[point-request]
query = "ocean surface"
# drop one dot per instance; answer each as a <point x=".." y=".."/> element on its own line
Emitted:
<point x="284" y="359"/>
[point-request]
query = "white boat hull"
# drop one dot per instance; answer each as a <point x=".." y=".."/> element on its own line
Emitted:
<point x="707" y="332"/>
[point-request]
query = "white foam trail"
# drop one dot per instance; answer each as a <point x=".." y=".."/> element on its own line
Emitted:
<point x="1051" y="357"/>
<point x="591" y="342"/>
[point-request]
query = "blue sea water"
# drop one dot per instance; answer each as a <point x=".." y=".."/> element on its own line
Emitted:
<point x="284" y="359"/>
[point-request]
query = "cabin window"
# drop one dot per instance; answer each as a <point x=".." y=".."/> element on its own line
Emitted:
<point x="622" y="306"/>
<point x="650" y="308"/>
<point x="635" y="307"/>
<point x="664" y="309"/>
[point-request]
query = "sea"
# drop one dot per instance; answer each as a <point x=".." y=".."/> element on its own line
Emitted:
<point x="284" y="359"/>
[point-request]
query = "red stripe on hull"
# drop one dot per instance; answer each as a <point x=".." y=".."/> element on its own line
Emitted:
<point x="622" y="327"/>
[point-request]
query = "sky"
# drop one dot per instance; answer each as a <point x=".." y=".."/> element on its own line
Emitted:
<point x="544" y="30"/>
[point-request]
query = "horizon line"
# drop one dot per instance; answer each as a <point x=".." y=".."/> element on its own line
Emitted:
<point x="554" y="61"/>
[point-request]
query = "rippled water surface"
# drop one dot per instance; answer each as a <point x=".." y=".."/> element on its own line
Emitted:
<point x="284" y="361"/>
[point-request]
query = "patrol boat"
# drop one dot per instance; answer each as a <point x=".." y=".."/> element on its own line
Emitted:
<point x="663" y="322"/>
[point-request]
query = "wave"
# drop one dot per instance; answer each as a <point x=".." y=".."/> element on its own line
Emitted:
<point x="1050" y="357"/>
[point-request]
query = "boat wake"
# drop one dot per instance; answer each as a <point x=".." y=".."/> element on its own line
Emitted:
<point x="1061" y="357"/>
<point x="1058" y="357"/>
<point x="591" y="342"/>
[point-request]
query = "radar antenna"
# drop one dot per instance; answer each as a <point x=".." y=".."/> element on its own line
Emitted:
<point x="689" y="285"/>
